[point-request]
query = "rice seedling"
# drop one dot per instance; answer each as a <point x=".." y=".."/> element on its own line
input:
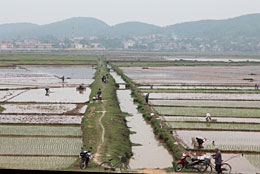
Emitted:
<point x="35" y="163"/>
<point x="40" y="146"/>
<point x="213" y="111"/>
<point x="40" y="130"/>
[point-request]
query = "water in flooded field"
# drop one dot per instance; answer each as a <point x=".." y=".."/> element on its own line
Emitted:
<point x="62" y="95"/>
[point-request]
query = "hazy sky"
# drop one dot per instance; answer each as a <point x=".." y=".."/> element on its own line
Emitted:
<point x="159" y="12"/>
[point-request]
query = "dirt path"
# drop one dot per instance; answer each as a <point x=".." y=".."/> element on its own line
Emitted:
<point x="156" y="171"/>
<point x="98" y="153"/>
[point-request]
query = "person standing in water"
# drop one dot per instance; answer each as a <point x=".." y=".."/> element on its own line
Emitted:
<point x="147" y="98"/>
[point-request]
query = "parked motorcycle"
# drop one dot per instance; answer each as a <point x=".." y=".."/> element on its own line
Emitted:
<point x="85" y="156"/>
<point x="200" y="164"/>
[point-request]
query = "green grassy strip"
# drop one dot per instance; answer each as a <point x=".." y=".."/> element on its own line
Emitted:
<point x="191" y="103"/>
<point x="117" y="141"/>
<point x="219" y="126"/>
<point x="21" y="57"/>
<point x="162" y="133"/>
<point x="203" y="111"/>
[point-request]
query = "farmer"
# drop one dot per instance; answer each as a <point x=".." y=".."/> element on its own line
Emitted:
<point x="99" y="93"/>
<point x="147" y="98"/>
<point x="208" y="117"/>
<point x="218" y="160"/>
<point x="62" y="78"/>
<point x="200" y="141"/>
<point x="47" y="91"/>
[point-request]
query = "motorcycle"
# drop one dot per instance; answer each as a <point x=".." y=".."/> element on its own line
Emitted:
<point x="85" y="156"/>
<point x="200" y="164"/>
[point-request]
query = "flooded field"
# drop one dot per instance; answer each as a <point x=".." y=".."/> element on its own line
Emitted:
<point x="43" y="76"/>
<point x="227" y="93"/>
<point x="36" y="163"/>
<point x="234" y="104"/>
<point x="42" y="119"/>
<point x="40" y="146"/>
<point x="197" y="87"/>
<point x="196" y="111"/>
<point x="58" y="95"/>
<point x="38" y="108"/>
<point x="193" y="74"/>
<point x="41" y="128"/>
<point x="216" y="119"/>
<point x="204" y="96"/>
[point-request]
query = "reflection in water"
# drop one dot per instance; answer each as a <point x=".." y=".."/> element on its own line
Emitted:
<point x="151" y="154"/>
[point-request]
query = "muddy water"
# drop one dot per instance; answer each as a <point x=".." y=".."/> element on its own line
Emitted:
<point x="203" y="87"/>
<point x="38" y="108"/>
<point x="42" y="119"/>
<point x="151" y="154"/>
<point x="117" y="78"/>
<point x="63" y="95"/>
<point x="83" y="109"/>
<point x="43" y="76"/>
<point x="5" y="95"/>
<point x="205" y="96"/>
<point x="221" y="138"/>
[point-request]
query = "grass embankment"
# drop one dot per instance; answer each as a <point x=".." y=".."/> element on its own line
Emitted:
<point x="163" y="133"/>
<point x="179" y="63"/>
<point x="8" y="60"/>
<point x="116" y="138"/>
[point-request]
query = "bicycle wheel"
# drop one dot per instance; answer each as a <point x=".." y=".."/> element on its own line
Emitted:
<point x="105" y="167"/>
<point x="202" y="167"/>
<point x="178" y="167"/>
<point x="124" y="167"/>
<point x="225" y="168"/>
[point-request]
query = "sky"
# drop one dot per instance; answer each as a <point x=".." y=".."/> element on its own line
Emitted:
<point x="158" y="12"/>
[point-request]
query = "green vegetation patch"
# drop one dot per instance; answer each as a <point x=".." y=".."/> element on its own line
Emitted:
<point x="40" y="130"/>
<point x="47" y="60"/>
<point x="205" y="125"/>
<point x="35" y="163"/>
<point x="1" y="108"/>
<point x="238" y="147"/>
<point x="246" y="104"/>
<point x="213" y="111"/>
<point x="40" y="146"/>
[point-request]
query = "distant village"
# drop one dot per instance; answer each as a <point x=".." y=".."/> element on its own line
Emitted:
<point x="149" y="43"/>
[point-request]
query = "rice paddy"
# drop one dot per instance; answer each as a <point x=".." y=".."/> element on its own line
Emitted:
<point x="182" y="96"/>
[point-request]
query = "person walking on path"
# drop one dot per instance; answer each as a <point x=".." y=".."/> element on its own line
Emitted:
<point x="99" y="94"/>
<point x="147" y="98"/>
<point x="218" y="160"/>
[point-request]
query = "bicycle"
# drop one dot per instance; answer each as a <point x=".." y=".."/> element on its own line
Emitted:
<point x="108" y="166"/>
<point x="225" y="167"/>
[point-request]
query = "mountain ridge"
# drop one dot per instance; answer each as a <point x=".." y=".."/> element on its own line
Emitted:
<point x="245" y="25"/>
